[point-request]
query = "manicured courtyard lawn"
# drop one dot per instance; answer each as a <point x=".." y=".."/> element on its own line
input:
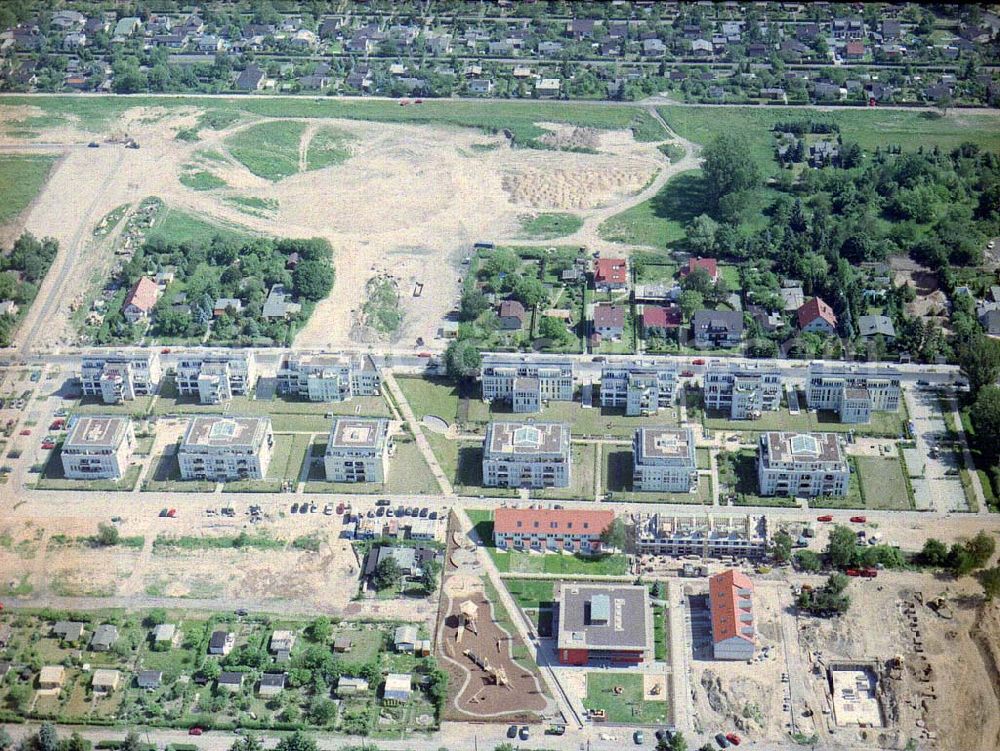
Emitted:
<point x="518" y="562"/>
<point x="883" y="483"/>
<point x="617" y="469"/>
<point x="431" y="396"/>
<point x="584" y="421"/>
<point x="626" y="706"/>
<point x="531" y="593"/>
<point x="886" y="424"/>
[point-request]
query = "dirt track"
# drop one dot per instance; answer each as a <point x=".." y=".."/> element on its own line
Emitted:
<point x="409" y="201"/>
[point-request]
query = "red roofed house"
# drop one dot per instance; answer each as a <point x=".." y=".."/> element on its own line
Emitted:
<point x="659" y="321"/>
<point x="610" y="274"/>
<point x="140" y="300"/>
<point x="511" y="315"/>
<point x="609" y="320"/>
<point x="855" y="50"/>
<point x="816" y="316"/>
<point x="708" y="264"/>
<point x="730" y="598"/>
<point x="550" y="529"/>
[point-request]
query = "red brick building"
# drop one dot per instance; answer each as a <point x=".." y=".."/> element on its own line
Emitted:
<point x="550" y="529"/>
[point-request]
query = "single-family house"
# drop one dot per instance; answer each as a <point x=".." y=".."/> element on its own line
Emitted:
<point x="609" y="320"/>
<point x="51" y="677"/>
<point x="659" y="320"/>
<point x="250" y="78"/>
<point x="511" y="315"/>
<point x="150" y="680"/>
<point x="140" y="300"/>
<point x="547" y="87"/>
<point x="271" y="684"/>
<point x="105" y="681"/>
<point x="872" y="326"/>
<point x="104" y="637"/>
<point x="817" y="317"/>
<point x="230" y="680"/>
<point x="610" y="274"/>
<point x="221" y="642"/>
<point x="709" y="265"/>
<point x="717" y="328"/>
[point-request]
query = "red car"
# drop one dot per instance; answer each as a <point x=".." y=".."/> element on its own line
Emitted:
<point x="859" y="519"/>
<point x="48" y="445"/>
<point x="165" y="351"/>
<point x="418" y="101"/>
<point x="869" y="573"/>
<point x="824" y="518"/>
<point x="853" y="572"/>
<point x="26" y="431"/>
<point x="57" y="424"/>
<point x="195" y="731"/>
<point x="687" y="374"/>
<point x="733" y="738"/>
<point x="172" y="513"/>
<point x="698" y="361"/>
<point x="424" y="354"/>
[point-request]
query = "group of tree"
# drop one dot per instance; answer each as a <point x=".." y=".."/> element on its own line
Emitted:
<point x="29" y="260"/>
<point x="829" y="599"/>
<point x="844" y="550"/>
<point x="962" y="558"/>
<point x="46" y="738"/>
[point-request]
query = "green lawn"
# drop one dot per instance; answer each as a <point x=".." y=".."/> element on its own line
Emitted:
<point x="253" y="206"/>
<point x="887" y="424"/>
<point x="198" y="179"/>
<point x="595" y="421"/>
<point x="659" y="221"/>
<point x="21" y="179"/>
<point x="287" y="457"/>
<point x="269" y="150"/>
<point x="431" y="396"/>
<point x="408" y="474"/>
<point x="53" y="478"/>
<point x="883" y="483"/>
<point x="327" y="147"/>
<point x="177" y="226"/>
<point x="627" y="706"/>
<point x="550" y="225"/>
<point x="617" y="469"/>
<point x="531" y="593"/>
<point x="518" y="562"/>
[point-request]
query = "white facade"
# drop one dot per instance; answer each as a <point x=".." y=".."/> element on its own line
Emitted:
<point x="216" y="377"/>
<point x="802" y="464"/>
<point x="551" y="378"/>
<point x="703" y="535"/>
<point x="226" y="448"/>
<point x="828" y="386"/>
<point x="663" y="460"/>
<point x="120" y="377"/>
<point x="517" y="455"/>
<point x="358" y="450"/>
<point x="642" y="388"/>
<point x="325" y="378"/>
<point x="98" y="448"/>
<point x="744" y="391"/>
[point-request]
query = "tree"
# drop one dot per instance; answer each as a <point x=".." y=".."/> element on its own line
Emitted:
<point x="979" y="359"/>
<point x="828" y="599"/>
<point x="462" y="359"/>
<point x="322" y="711"/>
<point x="48" y="738"/>
<point x="728" y="167"/>
<point x="297" y="741"/>
<point x="313" y="280"/>
<point x="843" y="547"/>
<point x="934" y="552"/>
<point x="553" y="328"/>
<point x="155" y="617"/>
<point x="429" y="574"/>
<point x="613" y="536"/>
<point x="981" y="549"/>
<point x="990" y="579"/>
<point x="691" y="302"/>
<point x="678" y="742"/>
<point x="75" y="743"/>
<point x="701" y="234"/>
<point x="5" y="740"/>
<point x="249" y="742"/>
<point x="530" y="291"/>
<point x="387" y="574"/>
<point x="808" y="561"/>
<point x="781" y="546"/>
<point x="131" y="742"/>
<point x="473" y="305"/>
<point x="698" y="281"/>
<point x="320" y="630"/>
<point x="18" y="697"/>
<point x="107" y="535"/>
<point x="985" y="416"/>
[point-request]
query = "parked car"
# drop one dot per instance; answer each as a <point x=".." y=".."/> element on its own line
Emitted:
<point x="48" y="445"/>
<point x="524" y="733"/>
<point x="304" y="508"/>
<point x="380" y="511"/>
<point x="859" y="519"/>
<point x="512" y="731"/>
<point x="172" y="513"/>
<point x="432" y="515"/>
<point x="423" y="512"/>
<point x="295" y="508"/>
<point x="382" y="502"/>
<point x="722" y="741"/>
<point x="638" y="738"/>
<point x="195" y="731"/>
<point x="26" y="431"/>
<point x="698" y="361"/>
<point x="734" y="739"/>
<point x="328" y="509"/>
<point x="825" y="518"/>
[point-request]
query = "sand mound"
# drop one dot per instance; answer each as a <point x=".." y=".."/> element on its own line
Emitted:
<point x="572" y="138"/>
<point x="574" y="188"/>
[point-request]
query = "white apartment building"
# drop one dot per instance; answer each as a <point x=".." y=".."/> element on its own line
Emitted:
<point x="99" y="447"/>
<point x="853" y="391"/>
<point x="742" y="390"/>
<point x="802" y="464"/>
<point x="358" y="450"/>
<point x="663" y="460"/>
<point x="534" y="379"/>
<point x="708" y="536"/>
<point x="226" y="448"/>
<point x="328" y="378"/>
<point x="118" y="377"/>
<point x="215" y="377"/>
<point x="643" y="388"/>
<point x="532" y="455"/>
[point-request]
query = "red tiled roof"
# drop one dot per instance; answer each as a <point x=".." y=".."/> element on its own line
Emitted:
<point x="709" y="264"/>
<point x="609" y="316"/>
<point x="656" y="316"/>
<point x="566" y="521"/>
<point x="724" y="601"/>
<point x="611" y="270"/>
<point x="815" y="308"/>
<point x="511" y="308"/>
<point x="856" y="48"/>
<point x="143" y="295"/>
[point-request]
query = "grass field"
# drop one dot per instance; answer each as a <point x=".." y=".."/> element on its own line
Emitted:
<point x="269" y="150"/>
<point x="551" y="225"/>
<point x="198" y="179"/>
<point x="626" y="706"/>
<point x="177" y="226"/>
<point x="517" y="562"/>
<point x="21" y="179"/>
<point x="531" y="593"/>
<point x="883" y="483"/>
<point x="617" y="469"/>
<point x="408" y="474"/>
<point x="327" y="147"/>
<point x="887" y="424"/>
<point x="660" y="221"/>
<point x="868" y="127"/>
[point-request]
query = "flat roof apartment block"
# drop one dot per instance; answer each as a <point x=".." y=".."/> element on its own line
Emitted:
<point x="742" y="390"/>
<point x="705" y="535"/>
<point x="839" y="388"/>
<point x="98" y="447"/>
<point x="118" y="377"/>
<point x="802" y="464"/>
<point x="532" y="379"/>
<point x="663" y="460"/>
<point x="329" y="378"/>
<point x="574" y="530"/>
<point x="534" y="455"/>
<point x="358" y="450"/>
<point x="215" y="377"/>
<point x="604" y="623"/>
<point x="226" y="448"/>
<point x="642" y="387"/>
